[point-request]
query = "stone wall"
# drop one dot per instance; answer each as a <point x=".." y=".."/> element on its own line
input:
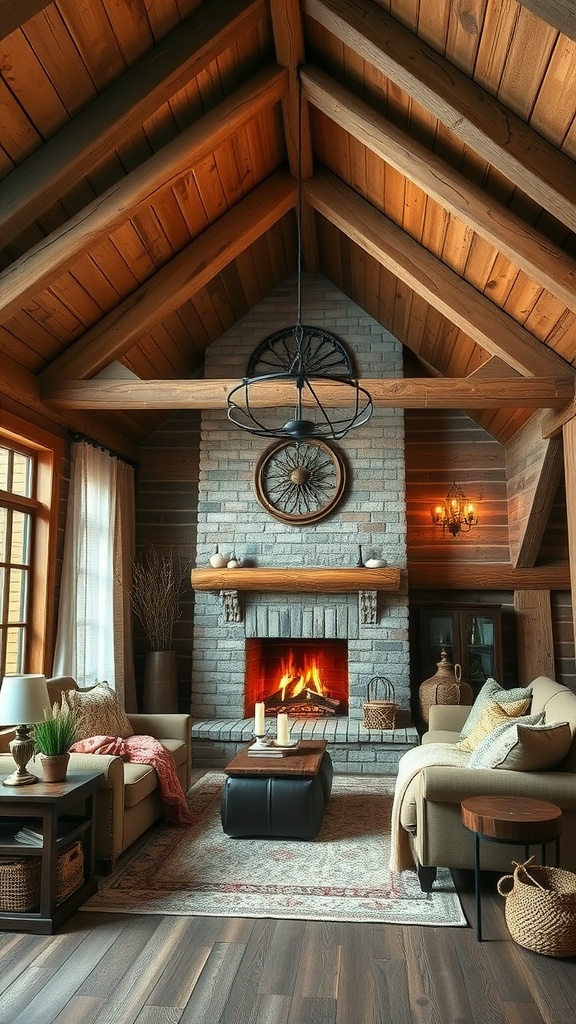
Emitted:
<point x="372" y="514"/>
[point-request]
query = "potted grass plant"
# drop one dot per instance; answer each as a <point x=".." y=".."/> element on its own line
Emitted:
<point x="53" y="738"/>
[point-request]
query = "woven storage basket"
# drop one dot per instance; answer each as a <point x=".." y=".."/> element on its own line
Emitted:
<point x="19" y="884"/>
<point x="69" y="871"/>
<point x="380" y="713"/>
<point x="20" y="879"/>
<point x="541" y="908"/>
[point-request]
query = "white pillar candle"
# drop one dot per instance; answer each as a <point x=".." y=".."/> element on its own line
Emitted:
<point x="282" y="730"/>
<point x="259" y="728"/>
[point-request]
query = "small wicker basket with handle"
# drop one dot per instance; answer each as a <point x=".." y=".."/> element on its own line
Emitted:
<point x="541" y="908"/>
<point x="380" y="707"/>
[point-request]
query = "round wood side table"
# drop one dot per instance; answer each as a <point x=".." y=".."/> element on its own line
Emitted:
<point x="512" y="820"/>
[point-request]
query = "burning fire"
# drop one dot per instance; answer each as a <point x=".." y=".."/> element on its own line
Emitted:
<point x="294" y="679"/>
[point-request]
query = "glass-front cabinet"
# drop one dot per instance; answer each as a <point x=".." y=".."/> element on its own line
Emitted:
<point x="471" y="637"/>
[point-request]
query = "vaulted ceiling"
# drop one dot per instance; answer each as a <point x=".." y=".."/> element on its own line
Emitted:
<point x="149" y="155"/>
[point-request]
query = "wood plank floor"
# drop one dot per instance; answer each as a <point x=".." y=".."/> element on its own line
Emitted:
<point x="119" y="969"/>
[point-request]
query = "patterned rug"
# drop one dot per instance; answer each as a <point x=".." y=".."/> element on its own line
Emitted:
<point x="342" y="875"/>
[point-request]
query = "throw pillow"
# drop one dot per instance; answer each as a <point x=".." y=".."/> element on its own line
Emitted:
<point x="493" y="715"/>
<point x="524" y="747"/>
<point x="490" y="692"/>
<point x="98" y="712"/>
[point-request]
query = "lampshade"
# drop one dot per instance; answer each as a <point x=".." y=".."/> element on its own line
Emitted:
<point x="23" y="700"/>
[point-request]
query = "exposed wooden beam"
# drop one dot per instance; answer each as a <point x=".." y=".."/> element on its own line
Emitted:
<point x="569" y="439"/>
<point x="554" y="421"/>
<point x="54" y="254"/>
<point x="190" y="270"/>
<point x="533" y="469"/>
<point x="405" y="393"/>
<point x="186" y="51"/>
<point x="547" y="264"/>
<point x="289" y="44"/>
<point x="534" y="637"/>
<point x="15" y="13"/>
<point x="492" y="130"/>
<point x="561" y="14"/>
<point x="463" y="305"/>
<point x="22" y="388"/>
<point x="479" y="576"/>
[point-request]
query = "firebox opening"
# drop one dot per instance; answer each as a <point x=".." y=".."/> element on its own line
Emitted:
<point x="305" y="678"/>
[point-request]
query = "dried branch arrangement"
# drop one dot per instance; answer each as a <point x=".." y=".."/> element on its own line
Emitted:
<point x="157" y="582"/>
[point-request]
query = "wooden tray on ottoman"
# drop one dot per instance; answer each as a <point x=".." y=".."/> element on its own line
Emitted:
<point x="282" y="797"/>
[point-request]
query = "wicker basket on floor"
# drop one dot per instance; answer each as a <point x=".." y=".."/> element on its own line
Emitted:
<point x="380" y="711"/>
<point x="541" y="908"/>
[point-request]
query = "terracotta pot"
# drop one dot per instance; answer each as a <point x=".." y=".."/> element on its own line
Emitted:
<point x="160" y="683"/>
<point x="54" y="767"/>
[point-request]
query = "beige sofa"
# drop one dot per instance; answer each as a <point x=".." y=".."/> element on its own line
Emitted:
<point x="128" y="800"/>
<point x="430" y="807"/>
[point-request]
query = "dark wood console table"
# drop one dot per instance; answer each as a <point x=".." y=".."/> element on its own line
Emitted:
<point x="64" y="812"/>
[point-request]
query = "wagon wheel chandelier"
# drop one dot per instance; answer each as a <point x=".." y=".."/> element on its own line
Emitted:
<point x="302" y="356"/>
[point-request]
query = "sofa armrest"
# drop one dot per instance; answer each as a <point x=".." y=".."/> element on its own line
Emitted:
<point x="439" y="784"/>
<point x="447" y="717"/>
<point x="167" y="727"/>
<point x="111" y="766"/>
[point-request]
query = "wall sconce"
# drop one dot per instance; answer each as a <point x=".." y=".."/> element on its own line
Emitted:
<point x="456" y="513"/>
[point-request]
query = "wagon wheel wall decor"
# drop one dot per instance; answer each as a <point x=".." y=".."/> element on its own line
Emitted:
<point x="300" y="482"/>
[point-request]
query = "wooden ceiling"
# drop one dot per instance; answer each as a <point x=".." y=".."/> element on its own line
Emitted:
<point x="149" y="155"/>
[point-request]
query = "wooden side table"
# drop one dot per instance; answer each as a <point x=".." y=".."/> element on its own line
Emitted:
<point x="66" y="813"/>
<point x="513" y="821"/>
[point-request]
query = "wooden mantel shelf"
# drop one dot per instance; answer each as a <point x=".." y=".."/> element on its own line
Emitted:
<point x="312" y="581"/>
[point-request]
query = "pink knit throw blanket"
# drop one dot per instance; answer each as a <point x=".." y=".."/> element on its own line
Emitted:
<point x="145" y="750"/>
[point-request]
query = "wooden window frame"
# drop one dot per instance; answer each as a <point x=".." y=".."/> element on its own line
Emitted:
<point x="46" y="450"/>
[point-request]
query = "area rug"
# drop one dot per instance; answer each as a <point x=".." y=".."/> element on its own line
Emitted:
<point x="342" y="875"/>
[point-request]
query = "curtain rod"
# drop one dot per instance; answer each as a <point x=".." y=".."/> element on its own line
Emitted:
<point x="78" y="438"/>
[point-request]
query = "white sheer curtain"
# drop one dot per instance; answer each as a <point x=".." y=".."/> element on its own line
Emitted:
<point x="94" y="635"/>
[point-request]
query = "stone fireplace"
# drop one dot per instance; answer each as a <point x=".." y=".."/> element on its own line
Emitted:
<point x="371" y="627"/>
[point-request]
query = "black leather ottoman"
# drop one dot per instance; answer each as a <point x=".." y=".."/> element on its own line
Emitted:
<point x="286" y="806"/>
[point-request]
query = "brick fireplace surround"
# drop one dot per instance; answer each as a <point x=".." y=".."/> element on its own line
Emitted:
<point x="372" y="514"/>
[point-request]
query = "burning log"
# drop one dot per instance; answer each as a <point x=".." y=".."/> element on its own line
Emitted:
<point x="307" y="704"/>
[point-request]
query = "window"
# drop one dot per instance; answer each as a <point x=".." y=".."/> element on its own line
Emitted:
<point x="27" y="539"/>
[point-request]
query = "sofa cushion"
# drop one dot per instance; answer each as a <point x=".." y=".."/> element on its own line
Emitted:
<point x="493" y="715"/>
<point x="523" y="747"/>
<point x="98" y="712"/>
<point x="490" y="692"/>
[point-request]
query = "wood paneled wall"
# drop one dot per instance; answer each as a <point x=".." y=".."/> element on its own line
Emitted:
<point x="443" y="446"/>
<point x="166" y="516"/>
<point x="563" y="634"/>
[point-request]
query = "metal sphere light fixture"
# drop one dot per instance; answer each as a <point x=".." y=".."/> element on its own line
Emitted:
<point x="303" y="357"/>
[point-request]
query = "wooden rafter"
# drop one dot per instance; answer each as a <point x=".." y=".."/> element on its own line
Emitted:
<point x="523" y="245"/>
<point x="405" y="393"/>
<point x="492" y="130"/>
<point x="50" y="257"/>
<point x="533" y="469"/>
<point x="472" y="312"/>
<point x="190" y="270"/>
<point x="15" y="13"/>
<point x="186" y="51"/>
<point x="561" y="14"/>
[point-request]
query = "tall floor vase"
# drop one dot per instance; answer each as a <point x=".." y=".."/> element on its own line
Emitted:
<point x="160" y="683"/>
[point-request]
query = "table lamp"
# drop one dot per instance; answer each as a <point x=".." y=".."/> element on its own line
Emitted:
<point x="23" y="699"/>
